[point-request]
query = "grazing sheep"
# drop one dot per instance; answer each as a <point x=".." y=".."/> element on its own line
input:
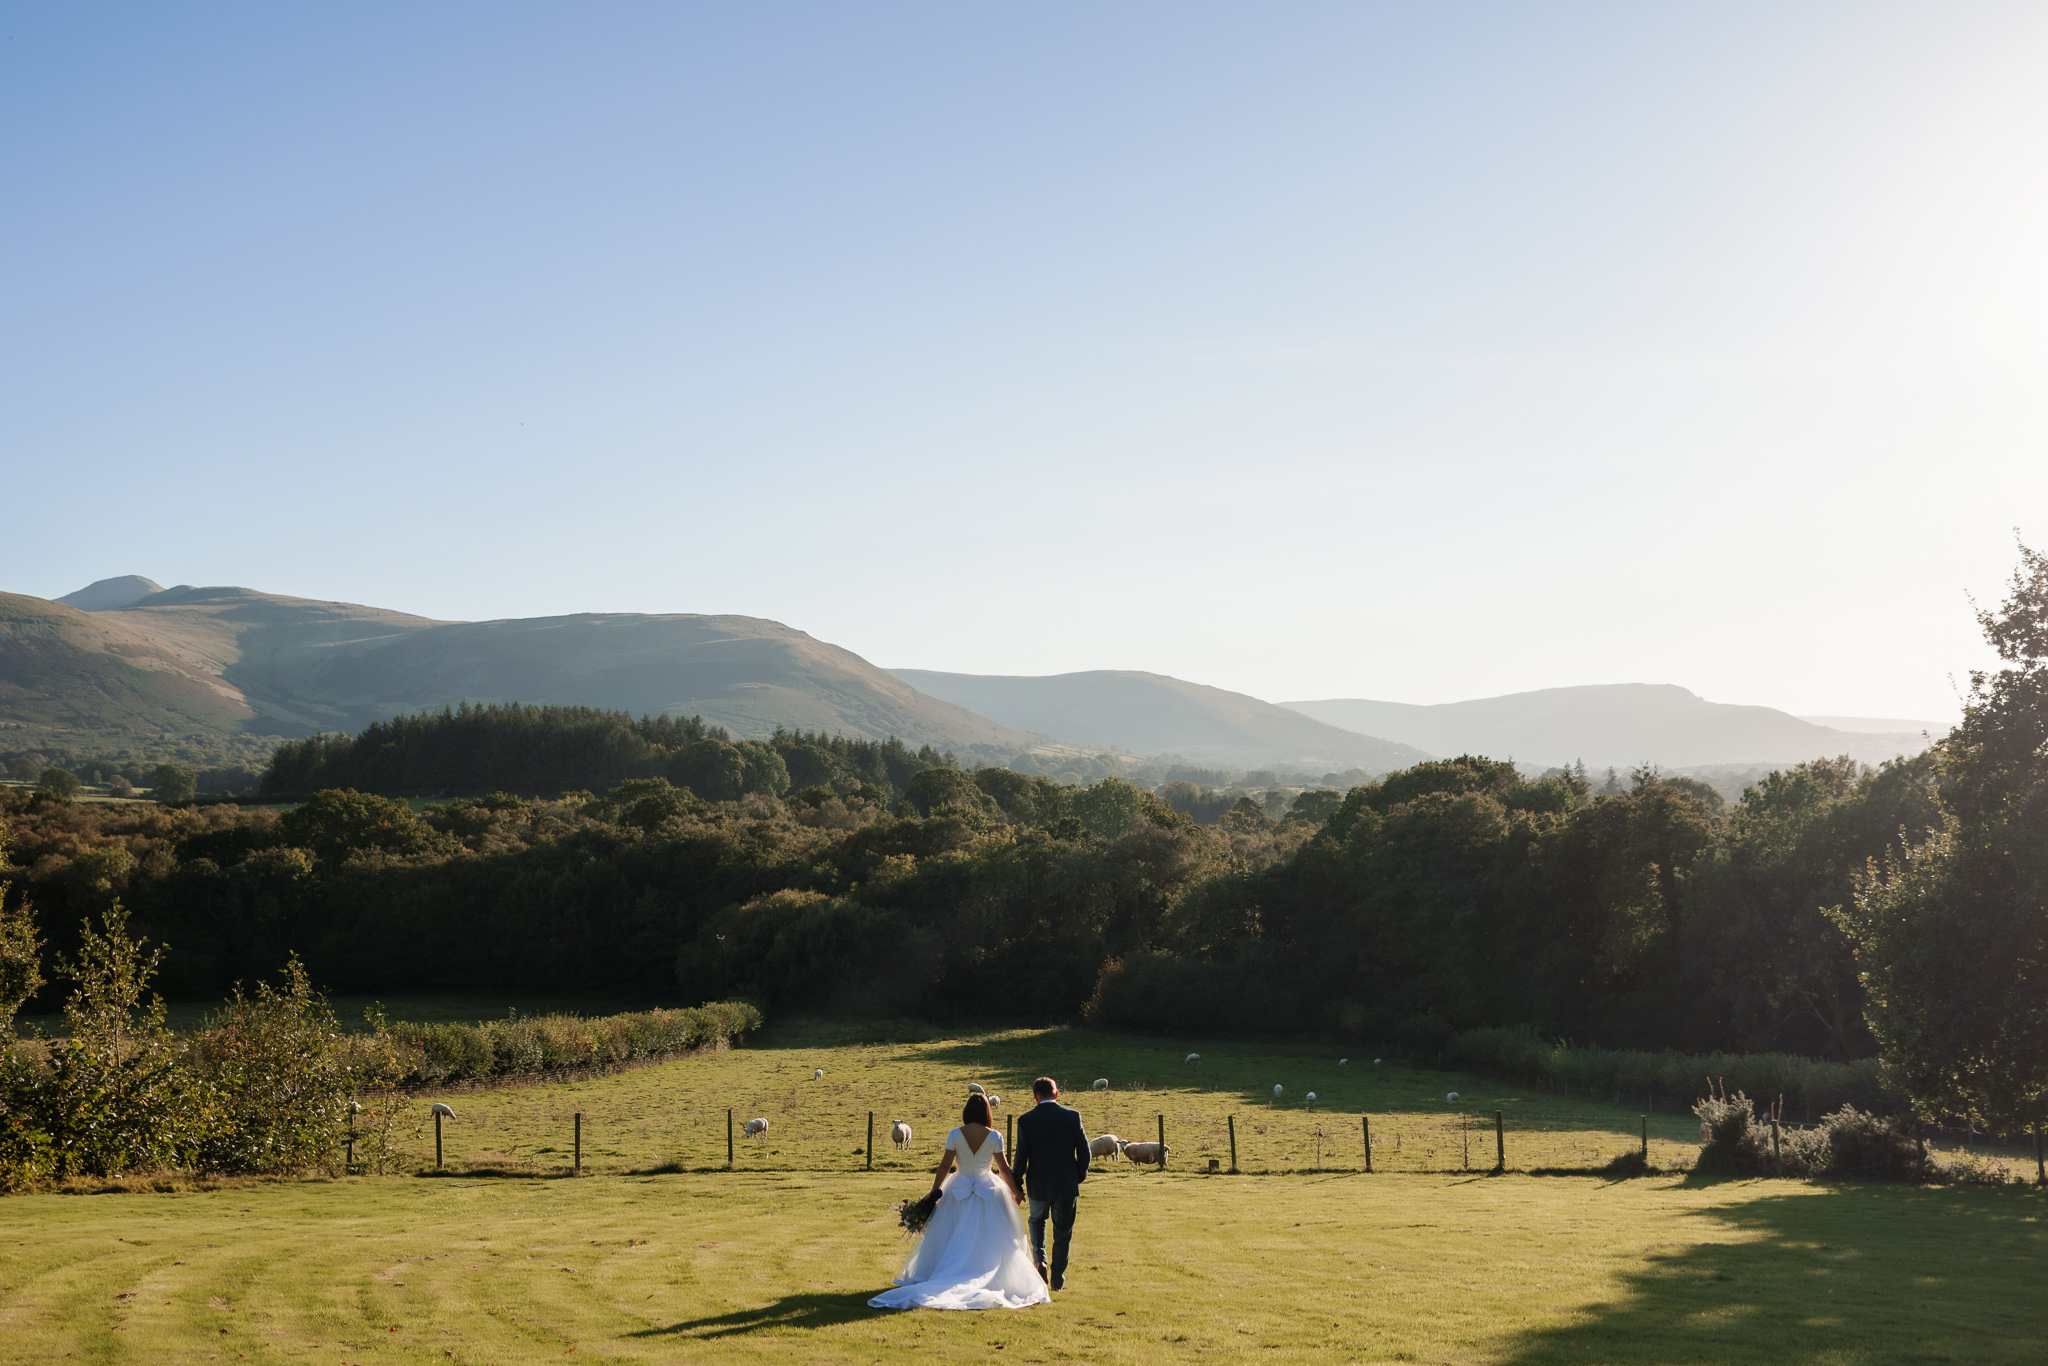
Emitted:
<point x="993" y="1101"/>
<point x="1139" y="1154"/>
<point x="1375" y="1062"/>
<point x="1341" y="1062"/>
<point x="1311" y="1097"/>
<point x="817" y="1074"/>
<point x="757" y="1128"/>
<point x="1101" y="1084"/>
<point x="1278" y="1091"/>
<point x="1106" y="1146"/>
<point x="1194" y="1057"/>
<point x="899" y="1134"/>
<point x="1452" y="1097"/>
<point x="974" y="1088"/>
<point x="441" y="1109"/>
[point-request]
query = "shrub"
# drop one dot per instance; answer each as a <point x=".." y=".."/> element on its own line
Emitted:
<point x="1874" y="1147"/>
<point x="278" y="1084"/>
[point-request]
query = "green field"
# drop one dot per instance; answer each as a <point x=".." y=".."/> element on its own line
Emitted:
<point x="658" y="1254"/>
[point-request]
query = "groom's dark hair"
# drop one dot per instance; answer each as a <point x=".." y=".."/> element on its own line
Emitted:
<point x="1045" y="1088"/>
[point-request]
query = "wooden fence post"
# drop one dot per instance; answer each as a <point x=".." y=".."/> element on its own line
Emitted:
<point x="1233" y="1144"/>
<point x="579" y="1143"/>
<point x="1365" y="1121"/>
<point x="1010" y="1132"/>
<point x="1646" y="1138"/>
<point x="871" y="1140"/>
<point x="1777" y="1151"/>
<point x="2040" y="1168"/>
<point x="728" y="1140"/>
<point x="437" y="1142"/>
<point x="1500" y="1142"/>
<point x="1465" y="1136"/>
<point x="1162" y="1143"/>
<point x="348" y="1163"/>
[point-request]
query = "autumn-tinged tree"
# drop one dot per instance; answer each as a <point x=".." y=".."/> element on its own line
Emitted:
<point x="1952" y="938"/>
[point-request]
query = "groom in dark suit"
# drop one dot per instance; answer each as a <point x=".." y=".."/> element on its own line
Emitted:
<point x="1051" y="1161"/>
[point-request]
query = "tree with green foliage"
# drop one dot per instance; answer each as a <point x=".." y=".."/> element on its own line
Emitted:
<point x="59" y="783"/>
<point x="21" y="947"/>
<point x="1952" y="937"/>
<point x="172" y="784"/>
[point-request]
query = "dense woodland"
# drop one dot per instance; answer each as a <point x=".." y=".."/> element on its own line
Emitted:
<point x="813" y="873"/>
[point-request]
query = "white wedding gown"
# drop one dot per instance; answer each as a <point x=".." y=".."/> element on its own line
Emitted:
<point x="974" y="1253"/>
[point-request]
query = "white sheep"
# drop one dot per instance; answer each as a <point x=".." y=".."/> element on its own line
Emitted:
<point x="817" y="1074"/>
<point x="1341" y="1062"/>
<point x="1278" y="1091"/>
<point x="1107" y="1146"/>
<point x="1194" y="1057"/>
<point x="974" y="1088"/>
<point x="1451" y="1097"/>
<point x="899" y="1134"/>
<point x="1101" y="1084"/>
<point x="1142" y="1154"/>
<point x="1311" y="1097"/>
<point x="1375" y="1062"/>
<point x="994" y="1101"/>
<point x="757" y="1128"/>
<point x="441" y="1109"/>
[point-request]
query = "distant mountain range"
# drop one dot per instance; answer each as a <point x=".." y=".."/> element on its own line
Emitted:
<point x="1151" y="714"/>
<point x="1615" y="725"/>
<point x="237" y="661"/>
<point x="125" y="659"/>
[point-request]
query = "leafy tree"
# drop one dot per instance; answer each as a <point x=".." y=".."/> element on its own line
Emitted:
<point x="60" y="783"/>
<point x="335" y="824"/>
<point x="20" y="947"/>
<point x="1952" y="938"/>
<point x="172" y="784"/>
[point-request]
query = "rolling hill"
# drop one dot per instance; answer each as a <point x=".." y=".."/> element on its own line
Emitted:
<point x="1609" y="725"/>
<point x="1152" y="714"/>
<point x="234" y="661"/>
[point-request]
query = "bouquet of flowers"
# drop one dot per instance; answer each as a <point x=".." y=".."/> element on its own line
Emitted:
<point x="915" y="1214"/>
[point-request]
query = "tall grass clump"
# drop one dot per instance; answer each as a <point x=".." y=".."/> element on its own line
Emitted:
<point x="1737" y="1141"/>
<point x="524" y="1046"/>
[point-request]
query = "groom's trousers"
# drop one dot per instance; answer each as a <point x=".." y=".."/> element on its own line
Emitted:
<point x="1062" y="1212"/>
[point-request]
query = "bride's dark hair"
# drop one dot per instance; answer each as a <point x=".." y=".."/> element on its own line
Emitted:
<point x="977" y="1111"/>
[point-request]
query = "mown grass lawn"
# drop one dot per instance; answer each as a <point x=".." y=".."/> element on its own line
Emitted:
<point x="676" y="1115"/>
<point x="778" y="1266"/>
<point x="658" y="1254"/>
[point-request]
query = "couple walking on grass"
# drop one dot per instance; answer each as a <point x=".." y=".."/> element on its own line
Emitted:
<point x="974" y="1253"/>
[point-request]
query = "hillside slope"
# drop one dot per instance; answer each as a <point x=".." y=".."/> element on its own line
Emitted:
<point x="1608" y="725"/>
<point x="1148" y="713"/>
<point x="226" y="661"/>
<point x="68" y="675"/>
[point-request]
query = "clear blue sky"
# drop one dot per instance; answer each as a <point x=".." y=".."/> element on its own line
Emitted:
<point x="1419" y="352"/>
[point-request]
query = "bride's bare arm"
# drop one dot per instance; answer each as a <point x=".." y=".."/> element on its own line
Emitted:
<point x="945" y="1165"/>
<point x="1009" y="1177"/>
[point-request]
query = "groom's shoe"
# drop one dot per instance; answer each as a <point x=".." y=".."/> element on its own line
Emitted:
<point x="1060" y="1284"/>
<point x="1040" y="1269"/>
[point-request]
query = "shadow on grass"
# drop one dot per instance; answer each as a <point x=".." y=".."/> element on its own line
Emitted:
<point x="1843" y="1274"/>
<point x="789" y="1312"/>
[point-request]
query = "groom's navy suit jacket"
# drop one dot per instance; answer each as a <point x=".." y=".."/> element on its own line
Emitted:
<point x="1052" y="1152"/>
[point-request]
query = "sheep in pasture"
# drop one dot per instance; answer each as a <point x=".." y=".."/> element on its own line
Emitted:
<point x="1375" y="1062"/>
<point x="1311" y="1097"/>
<point x="975" y="1088"/>
<point x="1142" y="1153"/>
<point x="899" y="1134"/>
<point x="757" y="1128"/>
<point x="1106" y="1146"/>
<point x="1343" y="1062"/>
<point x="1101" y="1084"/>
<point x="1194" y="1057"/>
<point x="1278" y="1091"/>
<point x="817" y="1074"/>
<point x="441" y="1109"/>
<point x="993" y="1101"/>
<point x="1451" y="1097"/>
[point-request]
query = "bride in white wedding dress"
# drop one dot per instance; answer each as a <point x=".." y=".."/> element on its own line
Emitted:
<point x="973" y="1253"/>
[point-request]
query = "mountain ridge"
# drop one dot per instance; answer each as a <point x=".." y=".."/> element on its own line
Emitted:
<point x="1155" y="714"/>
<point x="1605" y="725"/>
